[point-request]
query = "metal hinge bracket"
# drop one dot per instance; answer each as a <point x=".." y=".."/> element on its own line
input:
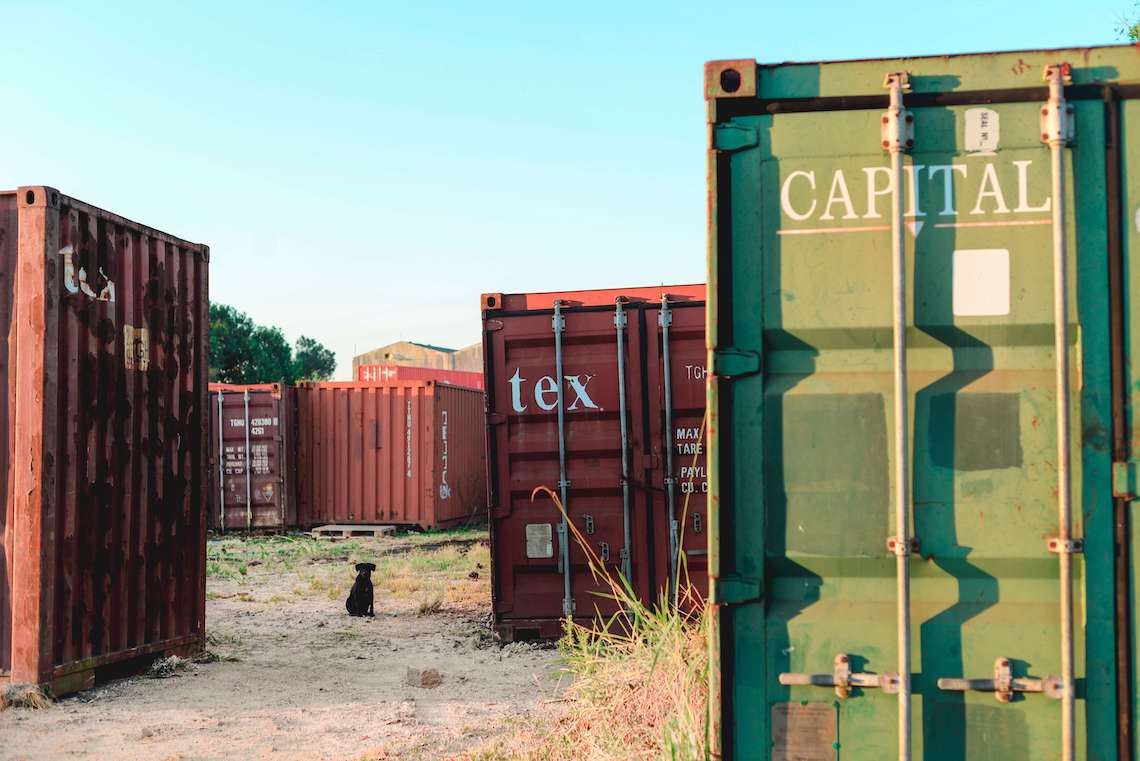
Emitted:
<point x="1057" y="122"/>
<point x="730" y="363"/>
<point x="895" y="547"/>
<point x="728" y="138"/>
<point x="896" y="128"/>
<point x="1124" y="480"/>
<point x="1066" y="546"/>
<point x="735" y="590"/>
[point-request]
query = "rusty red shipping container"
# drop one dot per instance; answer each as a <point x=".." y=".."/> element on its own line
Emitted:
<point x="624" y="448"/>
<point x="104" y="517"/>
<point x="387" y="373"/>
<point x="252" y="445"/>
<point x="408" y="453"/>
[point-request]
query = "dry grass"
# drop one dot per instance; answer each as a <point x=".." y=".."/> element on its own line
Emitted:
<point x="426" y="572"/>
<point x="23" y="696"/>
<point x="639" y="689"/>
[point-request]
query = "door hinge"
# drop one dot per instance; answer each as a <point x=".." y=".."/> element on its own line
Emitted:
<point x="496" y="418"/>
<point x="735" y="590"/>
<point x="730" y="363"/>
<point x="733" y="137"/>
<point x="490" y="326"/>
<point x="1124" y="484"/>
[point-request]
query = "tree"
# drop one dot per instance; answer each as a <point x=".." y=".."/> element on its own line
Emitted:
<point x="272" y="357"/>
<point x="312" y="361"/>
<point x="242" y="351"/>
<point x="1130" y="28"/>
<point x="231" y="345"/>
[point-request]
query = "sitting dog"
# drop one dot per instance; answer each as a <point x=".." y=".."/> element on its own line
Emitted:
<point x="359" y="602"/>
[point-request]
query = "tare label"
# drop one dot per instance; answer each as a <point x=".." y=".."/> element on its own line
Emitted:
<point x="688" y="441"/>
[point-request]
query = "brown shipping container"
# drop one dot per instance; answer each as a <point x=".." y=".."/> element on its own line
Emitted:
<point x="252" y="457"/>
<point x="661" y="494"/>
<point x="407" y="453"/>
<point x="104" y="517"/>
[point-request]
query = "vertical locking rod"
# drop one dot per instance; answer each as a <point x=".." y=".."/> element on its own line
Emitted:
<point x="665" y="319"/>
<point x="221" y="468"/>
<point x="1055" y="131"/>
<point x="248" y="468"/>
<point x="897" y="128"/>
<point x="620" y="322"/>
<point x="558" y="324"/>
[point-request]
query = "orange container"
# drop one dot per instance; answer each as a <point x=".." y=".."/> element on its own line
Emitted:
<point x="405" y="453"/>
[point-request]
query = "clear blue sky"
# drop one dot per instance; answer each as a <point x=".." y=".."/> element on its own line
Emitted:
<point x="363" y="171"/>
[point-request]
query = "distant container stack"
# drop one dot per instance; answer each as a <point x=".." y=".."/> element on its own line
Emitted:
<point x="405" y="453"/>
<point x="619" y="436"/>
<point x="253" y="453"/>
<point x="104" y="349"/>
<point x="388" y="373"/>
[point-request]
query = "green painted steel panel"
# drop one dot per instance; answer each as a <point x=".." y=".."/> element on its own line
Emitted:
<point x="801" y="458"/>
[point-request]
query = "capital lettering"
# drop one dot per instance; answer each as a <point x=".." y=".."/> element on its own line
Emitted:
<point x="785" y="195"/>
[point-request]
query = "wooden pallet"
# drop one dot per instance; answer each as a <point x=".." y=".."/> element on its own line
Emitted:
<point x="337" y="531"/>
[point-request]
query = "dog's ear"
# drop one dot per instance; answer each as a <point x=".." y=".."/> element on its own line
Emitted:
<point x="371" y="566"/>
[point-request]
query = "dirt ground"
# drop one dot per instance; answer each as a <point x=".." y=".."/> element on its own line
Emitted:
<point x="289" y="675"/>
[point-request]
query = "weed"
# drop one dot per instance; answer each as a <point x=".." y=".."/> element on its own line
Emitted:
<point x="23" y="696"/>
<point x="640" y="686"/>
<point x="429" y="605"/>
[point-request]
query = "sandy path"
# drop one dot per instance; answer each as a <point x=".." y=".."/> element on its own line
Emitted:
<point x="310" y="683"/>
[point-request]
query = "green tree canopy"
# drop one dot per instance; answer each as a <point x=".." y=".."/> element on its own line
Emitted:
<point x="312" y="361"/>
<point x="242" y="351"/>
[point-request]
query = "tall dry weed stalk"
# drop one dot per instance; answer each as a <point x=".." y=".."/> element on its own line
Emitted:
<point x="639" y="686"/>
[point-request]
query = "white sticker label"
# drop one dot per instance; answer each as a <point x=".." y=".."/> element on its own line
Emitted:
<point x="982" y="131"/>
<point x="539" y="540"/>
<point x="981" y="282"/>
<point x="1138" y="219"/>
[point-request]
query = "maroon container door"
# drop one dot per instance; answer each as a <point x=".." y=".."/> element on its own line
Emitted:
<point x="687" y="359"/>
<point x="256" y="501"/>
<point x="529" y="581"/>
<point x="110" y="450"/>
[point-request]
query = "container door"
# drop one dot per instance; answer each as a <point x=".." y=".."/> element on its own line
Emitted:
<point x="1128" y="438"/>
<point x="529" y="542"/>
<point x="803" y="390"/>
<point x="677" y="354"/>
<point x="250" y="464"/>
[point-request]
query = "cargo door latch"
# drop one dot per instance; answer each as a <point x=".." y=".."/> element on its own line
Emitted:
<point x="842" y="679"/>
<point x="731" y="363"/>
<point x="1004" y="683"/>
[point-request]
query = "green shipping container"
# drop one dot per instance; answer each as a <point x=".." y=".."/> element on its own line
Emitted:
<point x="924" y="231"/>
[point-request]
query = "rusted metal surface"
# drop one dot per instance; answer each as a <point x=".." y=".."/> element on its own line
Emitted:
<point x="252" y="445"/>
<point x="8" y="227"/>
<point x="388" y="373"/>
<point x="528" y="576"/>
<point x="108" y="463"/>
<point x="406" y="452"/>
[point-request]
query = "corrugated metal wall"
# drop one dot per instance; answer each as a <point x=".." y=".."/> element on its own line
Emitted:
<point x="374" y="453"/>
<point x="110" y="425"/>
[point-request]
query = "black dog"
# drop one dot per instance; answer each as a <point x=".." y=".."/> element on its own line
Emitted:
<point x="359" y="602"/>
